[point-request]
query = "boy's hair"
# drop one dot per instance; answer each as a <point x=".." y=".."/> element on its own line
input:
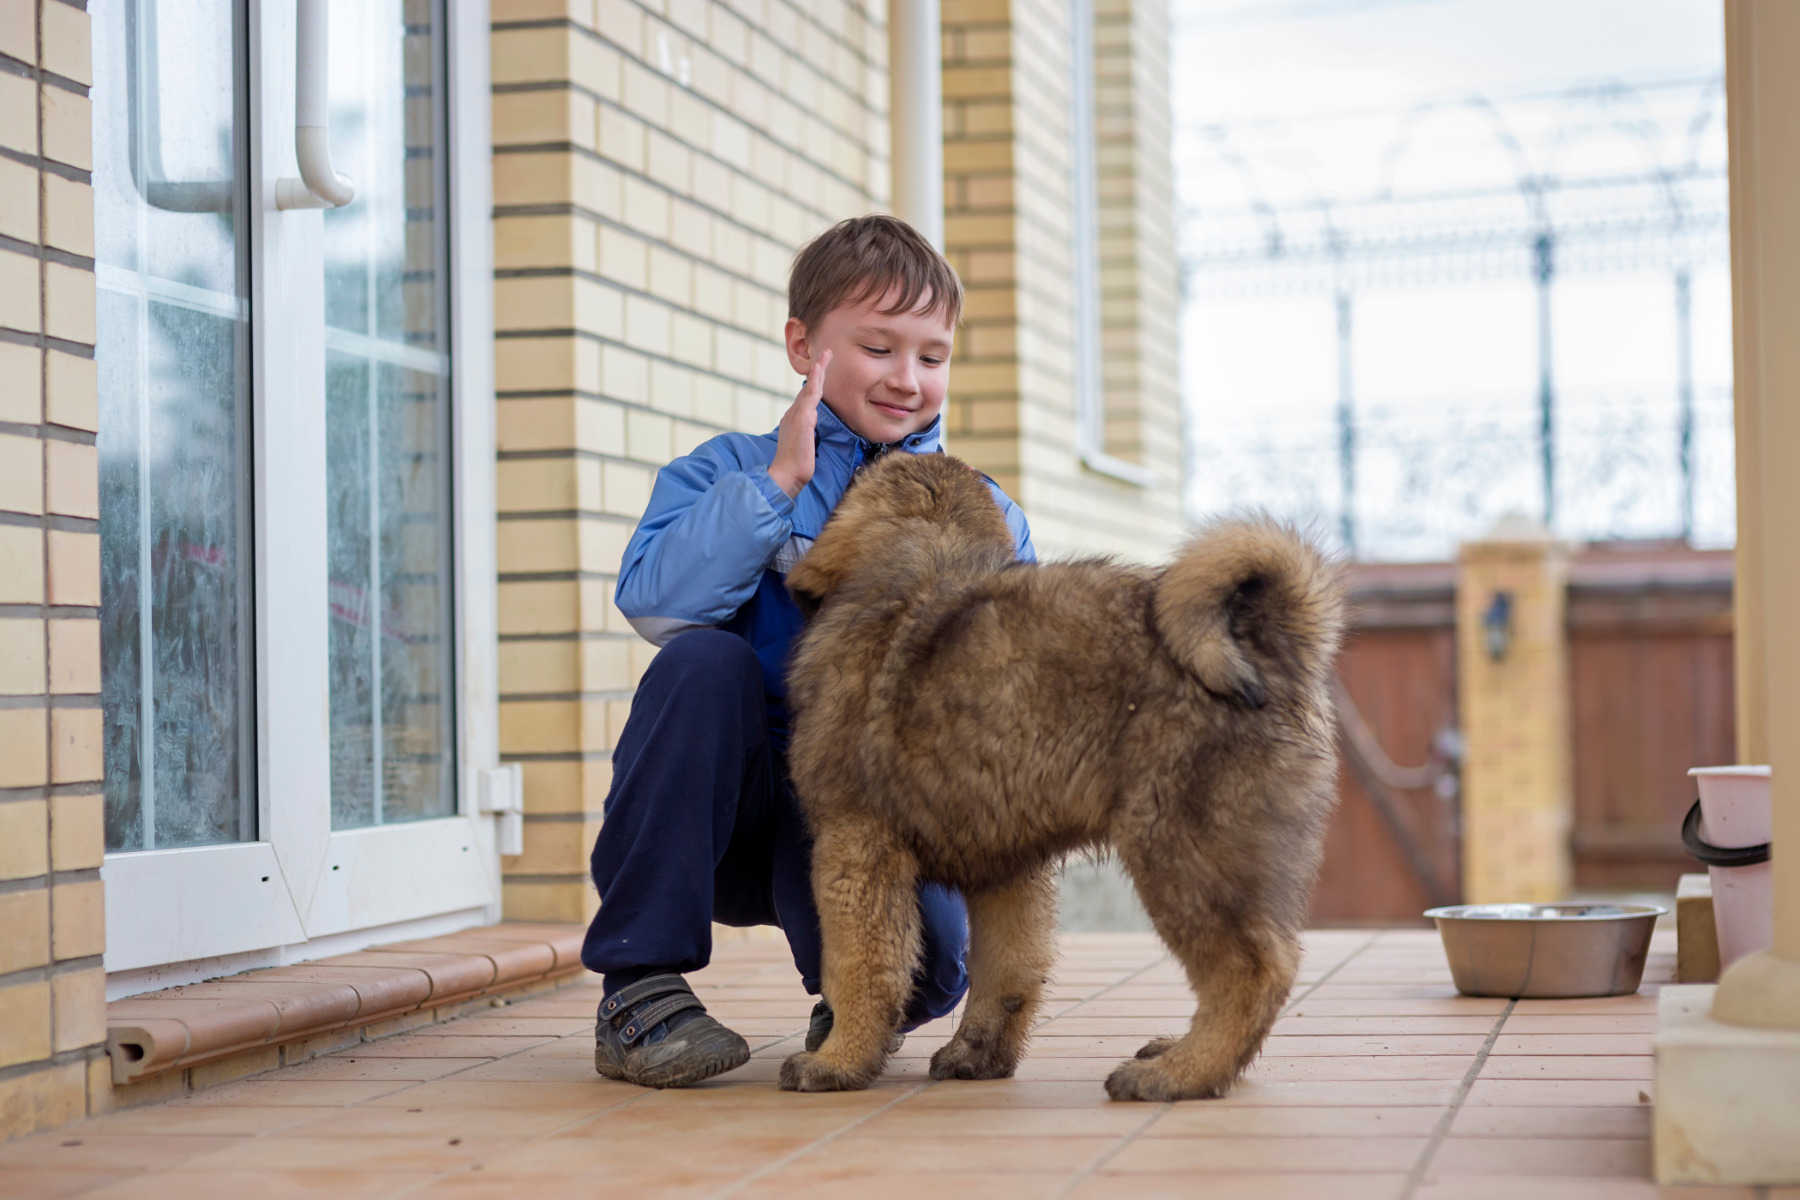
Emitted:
<point x="863" y="259"/>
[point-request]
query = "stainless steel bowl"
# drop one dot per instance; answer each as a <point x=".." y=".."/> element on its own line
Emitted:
<point x="1543" y="951"/>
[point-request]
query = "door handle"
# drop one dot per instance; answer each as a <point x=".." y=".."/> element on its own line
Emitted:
<point x="143" y="86"/>
<point x="319" y="186"/>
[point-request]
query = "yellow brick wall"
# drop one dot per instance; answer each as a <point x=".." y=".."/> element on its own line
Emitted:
<point x="52" y="926"/>
<point x="1009" y="221"/>
<point x="1518" y="791"/>
<point x="655" y="169"/>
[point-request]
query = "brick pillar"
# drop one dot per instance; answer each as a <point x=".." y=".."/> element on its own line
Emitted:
<point x="1518" y="794"/>
<point x="53" y="1065"/>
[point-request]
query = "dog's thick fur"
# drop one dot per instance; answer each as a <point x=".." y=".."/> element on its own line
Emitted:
<point x="964" y="718"/>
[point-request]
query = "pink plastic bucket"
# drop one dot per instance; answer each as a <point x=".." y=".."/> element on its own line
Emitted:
<point x="1735" y="812"/>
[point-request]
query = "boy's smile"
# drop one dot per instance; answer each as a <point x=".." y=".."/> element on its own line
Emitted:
<point x="889" y="372"/>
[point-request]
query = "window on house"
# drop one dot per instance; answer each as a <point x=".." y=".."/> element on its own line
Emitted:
<point x="1096" y="438"/>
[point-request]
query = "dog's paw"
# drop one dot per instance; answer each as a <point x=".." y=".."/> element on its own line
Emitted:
<point x="807" y="1072"/>
<point x="1150" y="1079"/>
<point x="959" y="1058"/>
<point x="1157" y="1047"/>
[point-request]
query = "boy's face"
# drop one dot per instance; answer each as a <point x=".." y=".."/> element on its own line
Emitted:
<point x="888" y="374"/>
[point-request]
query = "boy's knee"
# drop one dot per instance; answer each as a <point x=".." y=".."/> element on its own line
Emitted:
<point x="709" y="653"/>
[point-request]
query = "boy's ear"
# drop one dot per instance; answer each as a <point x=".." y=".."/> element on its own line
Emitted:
<point x="799" y="346"/>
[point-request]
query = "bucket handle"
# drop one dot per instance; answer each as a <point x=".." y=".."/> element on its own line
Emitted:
<point x="1718" y="856"/>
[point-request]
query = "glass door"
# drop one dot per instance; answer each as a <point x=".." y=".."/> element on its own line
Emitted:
<point x="173" y="241"/>
<point x="289" y="733"/>
<point x="171" y="261"/>
<point x="387" y="387"/>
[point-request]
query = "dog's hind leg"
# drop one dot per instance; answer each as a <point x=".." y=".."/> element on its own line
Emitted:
<point x="864" y="885"/>
<point x="1240" y="959"/>
<point x="1241" y="981"/>
<point x="1012" y="945"/>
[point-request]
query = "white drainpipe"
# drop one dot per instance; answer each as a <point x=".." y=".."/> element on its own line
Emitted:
<point x="916" y="115"/>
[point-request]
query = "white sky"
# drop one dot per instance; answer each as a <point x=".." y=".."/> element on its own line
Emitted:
<point x="1310" y="98"/>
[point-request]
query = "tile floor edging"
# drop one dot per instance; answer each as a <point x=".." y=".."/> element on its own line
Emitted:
<point x="367" y="994"/>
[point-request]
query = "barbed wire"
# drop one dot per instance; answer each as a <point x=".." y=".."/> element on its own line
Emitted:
<point x="1405" y="483"/>
<point x="1664" y="214"/>
<point x="1426" y="482"/>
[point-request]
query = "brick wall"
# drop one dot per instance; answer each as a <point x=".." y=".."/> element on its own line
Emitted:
<point x="1518" y="793"/>
<point x="1009" y="222"/>
<point x="52" y="925"/>
<point x="655" y="169"/>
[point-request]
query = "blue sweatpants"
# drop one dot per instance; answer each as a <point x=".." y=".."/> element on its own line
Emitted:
<point x="701" y="825"/>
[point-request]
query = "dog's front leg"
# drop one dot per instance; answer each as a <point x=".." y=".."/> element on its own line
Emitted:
<point x="1012" y="945"/>
<point x="865" y="887"/>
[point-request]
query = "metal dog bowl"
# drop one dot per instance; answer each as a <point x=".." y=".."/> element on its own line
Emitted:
<point x="1545" y="951"/>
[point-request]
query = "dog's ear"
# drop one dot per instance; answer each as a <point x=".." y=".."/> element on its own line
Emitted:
<point x="805" y="598"/>
<point x="822" y="571"/>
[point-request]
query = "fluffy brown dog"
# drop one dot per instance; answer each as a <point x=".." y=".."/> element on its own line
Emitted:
<point x="966" y="719"/>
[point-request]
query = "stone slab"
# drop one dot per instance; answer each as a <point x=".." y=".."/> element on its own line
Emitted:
<point x="1727" y="1096"/>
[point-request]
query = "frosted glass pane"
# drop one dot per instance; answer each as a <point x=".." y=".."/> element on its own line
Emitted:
<point x="172" y="358"/>
<point x="388" y="423"/>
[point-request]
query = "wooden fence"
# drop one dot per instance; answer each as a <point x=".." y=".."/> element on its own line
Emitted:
<point x="1649" y="628"/>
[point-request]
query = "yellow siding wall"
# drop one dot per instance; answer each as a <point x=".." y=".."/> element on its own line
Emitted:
<point x="53" y="1067"/>
<point x="655" y="169"/>
<point x="1009" y="222"/>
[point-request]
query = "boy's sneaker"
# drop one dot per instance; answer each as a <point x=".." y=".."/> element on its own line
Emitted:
<point x="819" y="1028"/>
<point x="656" y="1033"/>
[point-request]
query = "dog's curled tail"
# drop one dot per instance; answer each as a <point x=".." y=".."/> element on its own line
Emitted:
<point x="1253" y="609"/>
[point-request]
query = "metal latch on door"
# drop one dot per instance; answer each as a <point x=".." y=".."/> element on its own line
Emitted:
<point x="502" y="792"/>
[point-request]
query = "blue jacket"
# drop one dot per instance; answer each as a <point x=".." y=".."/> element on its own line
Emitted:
<point x="719" y="537"/>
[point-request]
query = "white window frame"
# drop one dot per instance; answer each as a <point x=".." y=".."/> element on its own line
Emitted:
<point x="303" y="890"/>
<point x="1084" y="170"/>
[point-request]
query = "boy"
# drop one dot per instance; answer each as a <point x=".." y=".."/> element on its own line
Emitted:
<point x="701" y="824"/>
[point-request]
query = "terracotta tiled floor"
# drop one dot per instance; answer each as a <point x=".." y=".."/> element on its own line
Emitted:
<point x="1379" y="1081"/>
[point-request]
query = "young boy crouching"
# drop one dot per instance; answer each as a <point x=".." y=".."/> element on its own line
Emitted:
<point x="701" y="824"/>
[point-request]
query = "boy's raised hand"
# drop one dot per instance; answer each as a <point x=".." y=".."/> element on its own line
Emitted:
<point x="793" y="465"/>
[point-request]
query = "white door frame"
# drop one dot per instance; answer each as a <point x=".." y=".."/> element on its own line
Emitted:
<point x="265" y="900"/>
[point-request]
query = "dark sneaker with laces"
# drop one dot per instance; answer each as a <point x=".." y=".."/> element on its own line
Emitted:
<point x="656" y="1033"/>
<point x="819" y="1028"/>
